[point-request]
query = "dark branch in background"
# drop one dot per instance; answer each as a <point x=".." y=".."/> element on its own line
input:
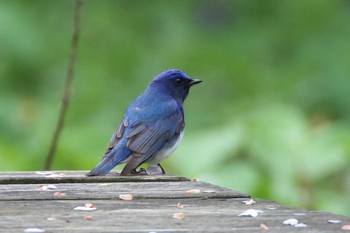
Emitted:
<point x="67" y="85"/>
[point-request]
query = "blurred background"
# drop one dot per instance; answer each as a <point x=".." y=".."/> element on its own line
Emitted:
<point x="271" y="118"/>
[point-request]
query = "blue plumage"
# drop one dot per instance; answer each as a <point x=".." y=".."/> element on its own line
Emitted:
<point x="151" y="128"/>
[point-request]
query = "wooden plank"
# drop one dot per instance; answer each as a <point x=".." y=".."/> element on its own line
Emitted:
<point x="77" y="177"/>
<point x="156" y="215"/>
<point x="139" y="190"/>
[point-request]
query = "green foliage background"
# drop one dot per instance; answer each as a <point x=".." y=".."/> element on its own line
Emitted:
<point x="271" y="118"/>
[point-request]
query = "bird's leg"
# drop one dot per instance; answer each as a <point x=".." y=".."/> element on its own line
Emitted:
<point x="155" y="170"/>
<point x="163" y="172"/>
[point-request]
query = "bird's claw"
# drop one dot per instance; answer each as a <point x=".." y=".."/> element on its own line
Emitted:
<point x="152" y="170"/>
<point x="141" y="171"/>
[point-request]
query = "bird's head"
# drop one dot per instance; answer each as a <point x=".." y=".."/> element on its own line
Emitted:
<point x="175" y="83"/>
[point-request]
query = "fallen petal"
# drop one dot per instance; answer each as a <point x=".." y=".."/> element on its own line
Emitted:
<point x="89" y="205"/>
<point x="59" y="194"/>
<point x="193" y="191"/>
<point x="179" y="215"/>
<point x="334" y="221"/>
<point x="41" y="187"/>
<point x="46" y="187"/>
<point x="291" y="221"/>
<point x="250" y="202"/>
<point x="263" y="227"/>
<point x="300" y="225"/>
<point x="180" y="205"/>
<point x="51" y="186"/>
<point x="34" y="230"/>
<point x="51" y="219"/>
<point x="54" y="175"/>
<point x="251" y="213"/>
<point x="88" y="217"/>
<point x="126" y="197"/>
<point x="105" y="184"/>
<point x="346" y="227"/>
<point x="299" y="214"/>
<point x="209" y="191"/>
<point x="84" y="208"/>
<point x="44" y="172"/>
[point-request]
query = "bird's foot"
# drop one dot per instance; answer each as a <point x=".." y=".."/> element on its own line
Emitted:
<point x="141" y="171"/>
<point x="152" y="170"/>
<point x="155" y="170"/>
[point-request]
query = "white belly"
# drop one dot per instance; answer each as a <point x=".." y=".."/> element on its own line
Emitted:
<point x="165" y="151"/>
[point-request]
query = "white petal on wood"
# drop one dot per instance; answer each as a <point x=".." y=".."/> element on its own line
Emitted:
<point x="44" y="172"/>
<point x="251" y="213"/>
<point x="126" y="197"/>
<point x="290" y="221"/>
<point x="51" y="186"/>
<point x="83" y="208"/>
<point x="34" y="230"/>
<point x="334" y="221"/>
<point x="300" y="225"/>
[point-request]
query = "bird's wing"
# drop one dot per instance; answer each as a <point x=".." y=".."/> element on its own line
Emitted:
<point x="148" y="135"/>
<point x="117" y="135"/>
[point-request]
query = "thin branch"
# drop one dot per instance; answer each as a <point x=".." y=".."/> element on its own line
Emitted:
<point x="67" y="86"/>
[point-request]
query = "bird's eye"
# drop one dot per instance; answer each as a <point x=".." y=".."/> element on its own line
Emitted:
<point x="179" y="80"/>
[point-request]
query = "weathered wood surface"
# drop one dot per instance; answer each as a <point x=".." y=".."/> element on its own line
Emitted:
<point x="24" y="204"/>
<point x="76" y="177"/>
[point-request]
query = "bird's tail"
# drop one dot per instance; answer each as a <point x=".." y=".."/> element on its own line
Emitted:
<point x="108" y="162"/>
<point x="103" y="167"/>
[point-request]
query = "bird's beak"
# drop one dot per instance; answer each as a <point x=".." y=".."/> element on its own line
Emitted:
<point x="195" y="81"/>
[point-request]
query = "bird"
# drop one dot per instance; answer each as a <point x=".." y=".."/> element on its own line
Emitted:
<point x="151" y="128"/>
